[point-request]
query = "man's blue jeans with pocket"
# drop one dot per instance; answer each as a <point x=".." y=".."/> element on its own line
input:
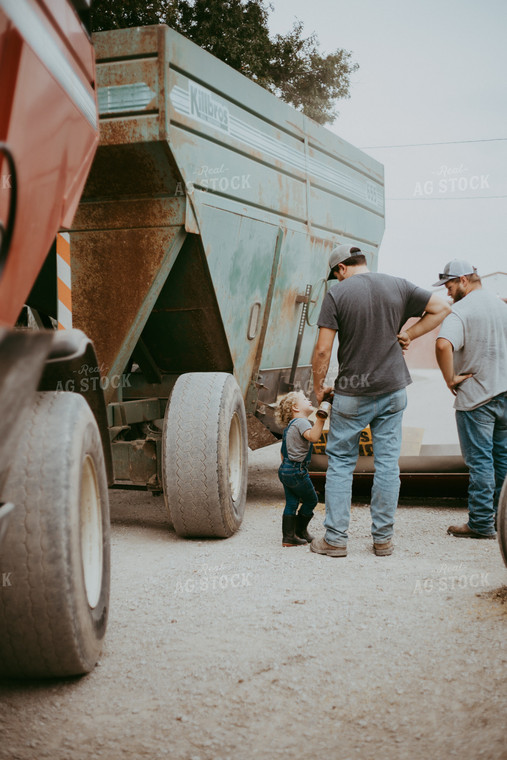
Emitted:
<point x="349" y="416"/>
<point x="483" y="440"/>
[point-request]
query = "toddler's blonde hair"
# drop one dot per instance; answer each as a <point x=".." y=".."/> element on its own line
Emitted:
<point x="283" y="411"/>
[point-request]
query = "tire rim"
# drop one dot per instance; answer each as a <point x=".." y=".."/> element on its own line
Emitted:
<point x="235" y="458"/>
<point x="91" y="532"/>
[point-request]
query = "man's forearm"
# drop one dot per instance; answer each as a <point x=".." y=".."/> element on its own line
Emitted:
<point x="445" y="360"/>
<point x="435" y="313"/>
<point x="320" y="360"/>
<point x="320" y="366"/>
<point x="426" y="324"/>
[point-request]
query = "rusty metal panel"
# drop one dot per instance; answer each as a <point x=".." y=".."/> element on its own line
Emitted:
<point x="126" y="43"/>
<point x="131" y="81"/>
<point x="136" y="462"/>
<point x="139" y="129"/>
<point x="129" y="227"/>
<point x="131" y="171"/>
<point x="131" y="212"/>
<point x="258" y="434"/>
<point x="116" y="278"/>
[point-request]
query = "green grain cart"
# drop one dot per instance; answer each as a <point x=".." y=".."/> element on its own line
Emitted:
<point x="199" y="256"/>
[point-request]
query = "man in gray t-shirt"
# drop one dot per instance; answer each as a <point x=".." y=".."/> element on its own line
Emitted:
<point x="367" y="310"/>
<point x="471" y="352"/>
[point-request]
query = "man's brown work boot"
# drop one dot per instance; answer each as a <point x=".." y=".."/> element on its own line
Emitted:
<point x="384" y="549"/>
<point x="463" y="531"/>
<point x="321" y="546"/>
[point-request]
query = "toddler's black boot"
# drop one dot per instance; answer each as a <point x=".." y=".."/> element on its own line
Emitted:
<point x="301" y="527"/>
<point x="289" y="537"/>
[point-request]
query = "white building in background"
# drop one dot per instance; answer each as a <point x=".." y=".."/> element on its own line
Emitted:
<point x="496" y="282"/>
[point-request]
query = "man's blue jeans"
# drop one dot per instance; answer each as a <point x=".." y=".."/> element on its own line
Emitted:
<point x="483" y="440"/>
<point x="349" y="416"/>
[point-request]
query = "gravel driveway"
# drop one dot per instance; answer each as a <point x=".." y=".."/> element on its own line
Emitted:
<point x="239" y="649"/>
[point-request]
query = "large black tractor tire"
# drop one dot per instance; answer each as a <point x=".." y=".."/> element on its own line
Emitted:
<point x="205" y="455"/>
<point x="55" y="562"/>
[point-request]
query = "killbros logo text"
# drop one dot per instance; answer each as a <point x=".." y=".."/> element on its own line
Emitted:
<point x="208" y="108"/>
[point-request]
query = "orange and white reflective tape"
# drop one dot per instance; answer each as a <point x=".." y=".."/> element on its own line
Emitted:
<point x="63" y="281"/>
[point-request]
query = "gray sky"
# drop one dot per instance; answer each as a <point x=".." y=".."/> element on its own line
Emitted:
<point x="430" y="72"/>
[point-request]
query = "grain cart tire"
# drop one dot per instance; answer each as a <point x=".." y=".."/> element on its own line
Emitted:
<point x="205" y="455"/>
<point x="501" y="521"/>
<point x="55" y="557"/>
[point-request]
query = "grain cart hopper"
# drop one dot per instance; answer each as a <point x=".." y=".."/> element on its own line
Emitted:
<point x="54" y="447"/>
<point x="199" y="255"/>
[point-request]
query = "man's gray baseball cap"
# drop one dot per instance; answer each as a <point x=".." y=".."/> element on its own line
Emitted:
<point x="339" y="254"/>
<point x="454" y="269"/>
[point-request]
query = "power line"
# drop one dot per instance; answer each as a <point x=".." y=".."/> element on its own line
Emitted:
<point x="420" y="145"/>
<point x="455" y="198"/>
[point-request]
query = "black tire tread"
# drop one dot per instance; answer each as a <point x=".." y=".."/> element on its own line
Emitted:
<point x="38" y="630"/>
<point x="501" y="522"/>
<point x="192" y="435"/>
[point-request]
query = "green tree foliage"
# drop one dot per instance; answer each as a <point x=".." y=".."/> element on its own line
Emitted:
<point x="236" y="31"/>
<point x="120" y="14"/>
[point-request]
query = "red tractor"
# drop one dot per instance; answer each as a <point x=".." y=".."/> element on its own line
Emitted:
<point x="55" y="461"/>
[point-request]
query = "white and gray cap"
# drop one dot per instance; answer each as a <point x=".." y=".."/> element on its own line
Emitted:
<point x="454" y="269"/>
<point x="341" y="253"/>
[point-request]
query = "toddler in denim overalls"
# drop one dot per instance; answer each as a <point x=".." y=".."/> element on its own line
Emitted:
<point x="299" y="435"/>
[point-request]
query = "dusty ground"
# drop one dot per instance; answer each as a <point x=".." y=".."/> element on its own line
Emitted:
<point x="239" y="649"/>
